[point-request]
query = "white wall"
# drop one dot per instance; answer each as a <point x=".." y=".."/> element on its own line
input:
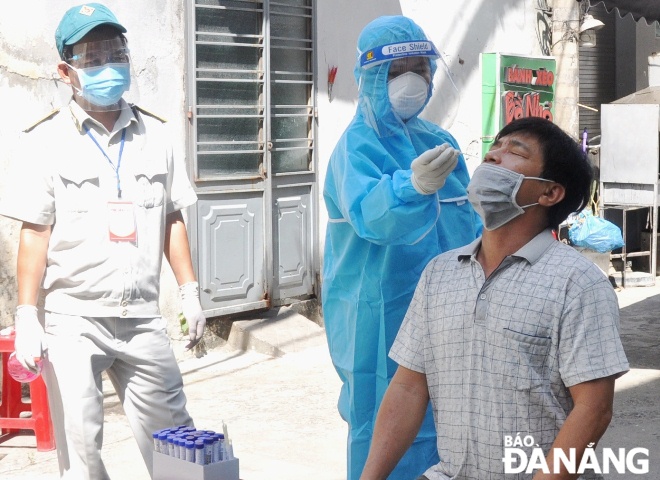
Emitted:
<point x="28" y="91"/>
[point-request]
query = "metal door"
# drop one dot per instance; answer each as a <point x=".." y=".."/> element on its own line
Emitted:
<point x="252" y="131"/>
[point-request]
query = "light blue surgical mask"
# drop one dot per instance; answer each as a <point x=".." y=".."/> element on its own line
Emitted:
<point x="104" y="85"/>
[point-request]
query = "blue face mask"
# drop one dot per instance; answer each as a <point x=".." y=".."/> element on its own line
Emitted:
<point x="104" y="85"/>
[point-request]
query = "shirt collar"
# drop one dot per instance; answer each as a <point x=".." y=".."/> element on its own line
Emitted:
<point x="531" y="251"/>
<point x="468" y="250"/>
<point x="81" y="117"/>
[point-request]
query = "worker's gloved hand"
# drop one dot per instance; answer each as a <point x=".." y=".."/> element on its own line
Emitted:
<point x="29" y="337"/>
<point x="192" y="310"/>
<point x="431" y="168"/>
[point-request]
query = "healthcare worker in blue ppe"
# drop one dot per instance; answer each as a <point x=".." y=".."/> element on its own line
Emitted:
<point x="396" y="197"/>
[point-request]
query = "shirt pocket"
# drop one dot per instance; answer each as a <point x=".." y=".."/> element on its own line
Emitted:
<point x="151" y="186"/>
<point x="77" y="193"/>
<point x="528" y="360"/>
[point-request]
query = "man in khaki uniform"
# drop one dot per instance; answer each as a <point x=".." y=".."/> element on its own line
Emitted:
<point x="100" y="195"/>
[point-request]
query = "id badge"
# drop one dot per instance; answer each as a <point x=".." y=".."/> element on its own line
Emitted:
<point x="121" y="222"/>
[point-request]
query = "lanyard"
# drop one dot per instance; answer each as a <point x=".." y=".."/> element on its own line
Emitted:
<point x="121" y="150"/>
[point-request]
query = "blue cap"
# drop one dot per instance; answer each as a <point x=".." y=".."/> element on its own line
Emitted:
<point x="80" y="20"/>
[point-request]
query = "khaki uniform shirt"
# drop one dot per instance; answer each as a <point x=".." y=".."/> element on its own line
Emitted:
<point x="63" y="179"/>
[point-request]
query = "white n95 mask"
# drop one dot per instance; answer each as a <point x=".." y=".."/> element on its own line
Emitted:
<point x="408" y="93"/>
<point x="492" y="192"/>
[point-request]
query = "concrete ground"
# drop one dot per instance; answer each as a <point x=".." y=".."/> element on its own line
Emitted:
<point x="272" y="382"/>
<point x="636" y="421"/>
<point x="279" y="407"/>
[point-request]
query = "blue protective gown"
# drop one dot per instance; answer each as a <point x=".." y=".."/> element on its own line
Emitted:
<point x="380" y="235"/>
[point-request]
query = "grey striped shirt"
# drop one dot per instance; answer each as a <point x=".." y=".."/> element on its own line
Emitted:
<point x="500" y="353"/>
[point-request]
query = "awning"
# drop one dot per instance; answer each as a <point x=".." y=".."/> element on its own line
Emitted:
<point x="647" y="9"/>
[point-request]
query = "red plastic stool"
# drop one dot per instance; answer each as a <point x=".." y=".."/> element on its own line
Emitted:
<point x="12" y="404"/>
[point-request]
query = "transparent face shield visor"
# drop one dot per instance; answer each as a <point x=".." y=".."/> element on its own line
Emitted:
<point x="419" y="65"/>
<point x="408" y="85"/>
<point x="443" y="106"/>
<point x="415" y="56"/>
<point x="101" y="74"/>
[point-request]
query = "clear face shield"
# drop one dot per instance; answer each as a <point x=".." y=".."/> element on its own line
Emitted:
<point x="408" y="83"/>
<point x="409" y="70"/>
<point x="100" y="73"/>
<point x="443" y="106"/>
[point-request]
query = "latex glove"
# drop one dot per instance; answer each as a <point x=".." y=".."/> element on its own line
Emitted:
<point x="192" y="310"/>
<point x="431" y="168"/>
<point x="29" y="337"/>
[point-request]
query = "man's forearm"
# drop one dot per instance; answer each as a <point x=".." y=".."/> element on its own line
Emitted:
<point x="31" y="261"/>
<point x="584" y="426"/>
<point x="177" y="249"/>
<point x="399" y="418"/>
